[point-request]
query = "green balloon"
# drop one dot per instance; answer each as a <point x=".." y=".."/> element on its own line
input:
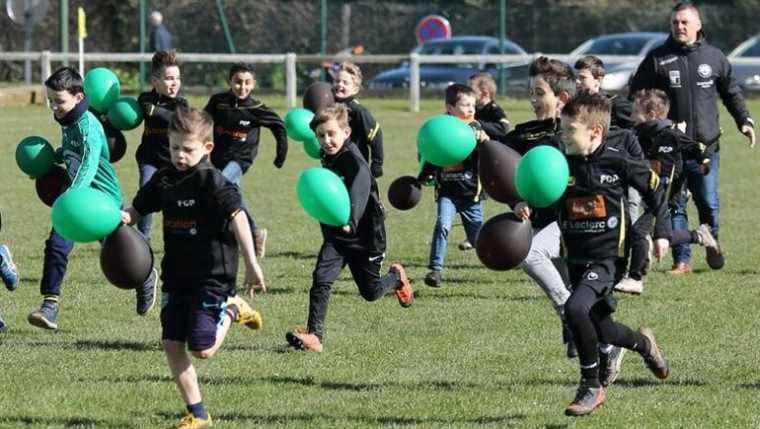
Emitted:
<point x="297" y="124"/>
<point x="312" y="148"/>
<point x="125" y="114"/>
<point x="102" y="88"/>
<point x="85" y="214"/>
<point x="445" y="140"/>
<point x="324" y="196"/>
<point x="35" y="156"/>
<point x="541" y="176"/>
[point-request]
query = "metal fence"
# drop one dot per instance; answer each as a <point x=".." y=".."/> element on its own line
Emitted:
<point x="289" y="61"/>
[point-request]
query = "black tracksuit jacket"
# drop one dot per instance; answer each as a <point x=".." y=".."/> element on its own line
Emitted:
<point x="592" y="213"/>
<point x="693" y="77"/>
<point x="157" y="113"/>
<point x="237" y="126"/>
<point x="367" y="219"/>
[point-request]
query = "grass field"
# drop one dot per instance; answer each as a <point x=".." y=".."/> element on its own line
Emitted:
<point x="483" y="351"/>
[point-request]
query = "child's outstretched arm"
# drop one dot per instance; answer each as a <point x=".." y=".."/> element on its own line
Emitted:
<point x="254" y="276"/>
<point x="269" y="119"/>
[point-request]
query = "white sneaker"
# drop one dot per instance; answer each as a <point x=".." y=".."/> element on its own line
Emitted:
<point x="706" y="238"/>
<point x="629" y="285"/>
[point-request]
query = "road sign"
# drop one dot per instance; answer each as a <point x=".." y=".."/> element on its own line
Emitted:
<point x="433" y="27"/>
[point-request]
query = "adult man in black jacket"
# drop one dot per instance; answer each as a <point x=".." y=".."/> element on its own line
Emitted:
<point x="694" y="74"/>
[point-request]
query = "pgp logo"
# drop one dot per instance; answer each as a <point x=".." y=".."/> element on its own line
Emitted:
<point x="609" y="179"/>
<point x="186" y="203"/>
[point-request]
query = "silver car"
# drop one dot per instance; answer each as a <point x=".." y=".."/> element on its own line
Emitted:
<point x="630" y="44"/>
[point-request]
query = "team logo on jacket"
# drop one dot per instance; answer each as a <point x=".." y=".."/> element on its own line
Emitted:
<point x="704" y="71"/>
<point x="592" y="276"/>
<point x="612" y="222"/>
<point x="675" y="78"/>
<point x="610" y="179"/>
<point x="245" y="123"/>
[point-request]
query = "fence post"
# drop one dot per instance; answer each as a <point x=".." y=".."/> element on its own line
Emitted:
<point x="414" y="82"/>
<point x="45" y="72"/>
<point x="291" y="82"/>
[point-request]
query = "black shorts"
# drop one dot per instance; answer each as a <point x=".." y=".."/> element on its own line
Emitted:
<point x="192" y="319"/>
<point x="601" y="276"/>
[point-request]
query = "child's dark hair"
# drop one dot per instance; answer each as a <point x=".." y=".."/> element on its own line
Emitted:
<point x="193" y="122"/>
<point x="337" y="112"/>
<point x="455" y="91"/>
<point x="66" y="79"/>
<point x="652" y="101"/>
<point x="591" y="63"/>
<point x="484" y="81"/>
<point x="557" y="74"/>
<point x="162" y="60"/>
<point x="589" y="109"/>
<point x="241" y="68"/>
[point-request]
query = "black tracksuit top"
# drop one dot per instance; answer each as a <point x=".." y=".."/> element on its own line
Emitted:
<point x="200" y="249"/>
<point x="592" y="212"/>
<point x="693" y="77"/>
<point x="493" y="120"/>
<point x="666" y="148"/>
<point x="157" y="113"/>
<point x="366" y="134"/>
<point x="237" y="125"/>
<point x="367" y="219"/>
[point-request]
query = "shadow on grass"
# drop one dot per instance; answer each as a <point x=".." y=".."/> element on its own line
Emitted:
<point x="648" y="382"/>
<point x="293" y="255"/>
<point x="67" y="422"/>
<point x="103" y="345"/>
<point x="430" y="293"/>
<point x="755" y="385"/>
<point x="448" y="266"/>
<point x="305" y="418"/>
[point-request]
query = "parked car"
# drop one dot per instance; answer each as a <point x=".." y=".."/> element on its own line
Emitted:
<point x="439" y="76"/>
<point x="617" y="75"/>
<point x="747" y="75"/>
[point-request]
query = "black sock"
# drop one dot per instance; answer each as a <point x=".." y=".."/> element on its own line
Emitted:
<point x="198" y="410"/>
<point x="642" y="345"/>
<point x="590" y="375"/>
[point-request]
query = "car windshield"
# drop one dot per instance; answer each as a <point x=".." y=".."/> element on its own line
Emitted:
<point x="752" y="51"/>
<point x="617" y="46"/>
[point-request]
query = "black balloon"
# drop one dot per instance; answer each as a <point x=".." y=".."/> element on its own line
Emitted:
<point x="126" y="258"/>
<point x="317" y="96"/>
<point x="404" y="193"/>
<point x="50" y="186"/>
<point x="503" y="242"/>
<point x="497" y="164"/>
<point x="117" y="147"/>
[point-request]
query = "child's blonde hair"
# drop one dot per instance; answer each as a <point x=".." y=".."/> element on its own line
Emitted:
<point x="189" y="121"/>
<point x="337" y="112"/>
<point x="483" y="81"/>
<point x="353" y="70"/>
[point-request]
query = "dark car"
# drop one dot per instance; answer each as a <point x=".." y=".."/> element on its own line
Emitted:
<point x="439" y="76"/>
<point x="633" y="44"/>
<point x="746" y="74"/>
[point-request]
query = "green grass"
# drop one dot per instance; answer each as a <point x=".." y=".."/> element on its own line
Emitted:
<point x="484" y="351"/>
